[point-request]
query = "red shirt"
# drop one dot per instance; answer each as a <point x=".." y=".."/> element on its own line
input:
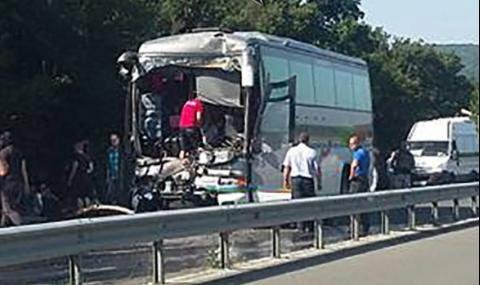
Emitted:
<point x="188" y="117"/>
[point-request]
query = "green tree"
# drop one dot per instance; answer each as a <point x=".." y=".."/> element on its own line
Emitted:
<point x="57" y="70"/>
<point x="311" y="21"/>
<point x="58" y="74"/>
<point x="474" y="104"/>
<point x="410" y="81"/>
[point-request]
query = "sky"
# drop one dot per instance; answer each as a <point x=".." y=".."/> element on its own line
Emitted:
<point x="435" y="21"/>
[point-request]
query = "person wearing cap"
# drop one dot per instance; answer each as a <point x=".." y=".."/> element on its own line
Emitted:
<point x="300" y="170"/>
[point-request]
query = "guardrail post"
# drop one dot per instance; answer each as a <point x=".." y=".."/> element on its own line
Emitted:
<point x="319" y="235"/>
<point x="354" y="227"/>
<point x="456" y="210"/>
<point x="224" y="250"/>
<point x="385" y="217"/>
<point x="474" y="206"/>
<point x="411" y="217"/>
<point x="435" y="213"/>
<point x="75" y="270"/>
<point x="158" y="263"/>
<point x="276" y="242"/>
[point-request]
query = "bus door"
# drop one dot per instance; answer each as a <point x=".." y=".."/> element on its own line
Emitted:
<point x="275" y="136"/>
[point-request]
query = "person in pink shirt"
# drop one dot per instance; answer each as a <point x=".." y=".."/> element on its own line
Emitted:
<point x="190" y="122"/>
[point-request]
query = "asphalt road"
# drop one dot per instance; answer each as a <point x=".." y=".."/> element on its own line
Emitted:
<point x="446" y="259"/>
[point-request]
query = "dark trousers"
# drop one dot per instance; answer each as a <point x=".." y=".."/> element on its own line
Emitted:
<point x="360" y="185"/>
<point x="10" y="199"/>
<point x="190" y="139"/>
<point x="111" y="193"/>
<point x="303" y="187"/>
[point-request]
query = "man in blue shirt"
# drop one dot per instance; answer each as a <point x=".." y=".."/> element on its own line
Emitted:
<point x="359" y="171"/>
<point x="360" y="167"/>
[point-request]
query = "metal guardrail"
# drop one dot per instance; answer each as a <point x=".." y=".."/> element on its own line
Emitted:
<point x="72" y="238"/>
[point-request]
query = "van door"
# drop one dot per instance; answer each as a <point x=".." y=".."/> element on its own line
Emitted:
<point x="468" y="153"/>
<point x="467" y="149"/>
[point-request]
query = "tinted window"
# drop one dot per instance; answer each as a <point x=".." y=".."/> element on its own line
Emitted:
<point x="344" y="87"/>
<point x="301" y="68"/>
<point x="318" y="82"/>
<point x="276" y="117"/>
<point x="276" y="70"/>
<point x="324" y="85"/>
<point x="361" y="85"/>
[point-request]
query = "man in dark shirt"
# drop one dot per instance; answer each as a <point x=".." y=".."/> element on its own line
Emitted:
<point x="401" y="165"/>
<point x="14" y="181"/>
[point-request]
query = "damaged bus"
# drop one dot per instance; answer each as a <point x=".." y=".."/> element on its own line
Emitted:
<point x="259" y="92"/>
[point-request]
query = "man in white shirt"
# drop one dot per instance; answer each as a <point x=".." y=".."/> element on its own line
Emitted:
<point x="300" y="169"/>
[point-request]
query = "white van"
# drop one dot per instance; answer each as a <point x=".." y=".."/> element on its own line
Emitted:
<point x="445" y="150"/>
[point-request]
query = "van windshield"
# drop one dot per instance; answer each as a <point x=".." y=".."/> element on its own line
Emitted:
<point x="429" y="148"/>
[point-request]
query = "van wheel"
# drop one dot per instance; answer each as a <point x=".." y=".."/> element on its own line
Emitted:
<point x="451" y="178"/>
<point x="344" y="183"/>
<point x="448" y="178"/>
<point x="473" y="176"/>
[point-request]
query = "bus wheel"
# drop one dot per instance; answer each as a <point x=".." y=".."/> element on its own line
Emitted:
<point x="344" y="183"/>
<point x="210" y="200"/>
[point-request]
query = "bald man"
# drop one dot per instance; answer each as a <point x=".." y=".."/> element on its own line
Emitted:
<point x="359" y="171"/>
<point x="360" y="166"/>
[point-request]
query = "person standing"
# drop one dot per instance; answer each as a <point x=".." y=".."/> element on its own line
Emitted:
<point x="379" y="178"/>
<point x="79" y="178"/>
<point x="400" y="166"/>
<point x="190" y="120"/>
<point x="300" y="169"/>
<point x="113" y="170"/>
<point x="14" y="181"/>
<point x="359" y="171"/>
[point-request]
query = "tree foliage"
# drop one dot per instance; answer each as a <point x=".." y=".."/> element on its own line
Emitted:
<point x="474" y="100"/>
<point x="57" y="70"/>
<point x="57" y="61"/>
<point x="411" y="82"/>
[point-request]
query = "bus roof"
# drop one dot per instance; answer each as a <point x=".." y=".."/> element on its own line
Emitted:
<point x="218" y="42"/>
